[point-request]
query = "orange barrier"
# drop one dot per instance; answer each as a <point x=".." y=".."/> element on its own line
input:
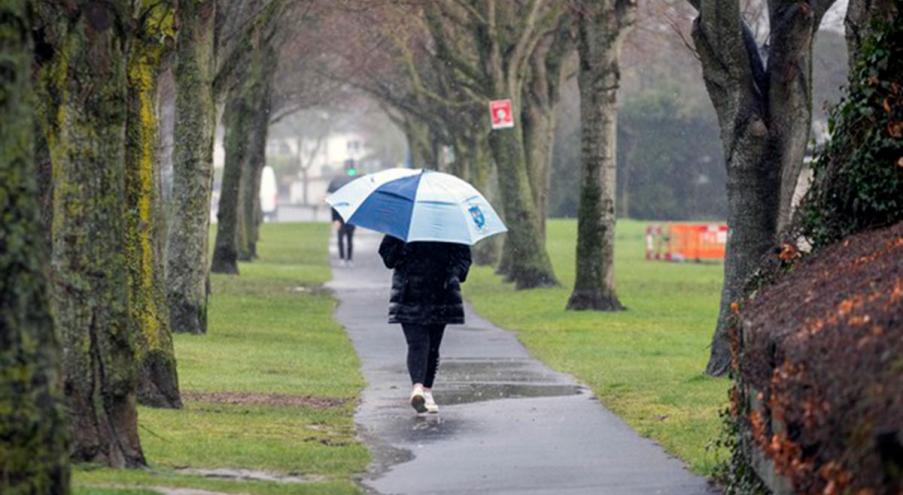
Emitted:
<point x="686" y="241"/>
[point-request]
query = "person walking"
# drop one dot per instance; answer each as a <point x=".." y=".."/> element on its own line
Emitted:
<point x="346" y="235"/>
<point x="425" y="297"/>
<point x="344" y="230"/>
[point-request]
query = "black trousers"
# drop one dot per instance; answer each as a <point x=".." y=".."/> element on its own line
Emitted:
<point x="423" y="351"/>
<point x="346" y="231"/>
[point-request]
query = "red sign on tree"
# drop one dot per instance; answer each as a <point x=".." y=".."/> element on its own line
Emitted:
<point x="502" y="116"/>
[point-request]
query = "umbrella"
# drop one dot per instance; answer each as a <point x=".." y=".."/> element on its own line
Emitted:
<point x="418" y="205"/>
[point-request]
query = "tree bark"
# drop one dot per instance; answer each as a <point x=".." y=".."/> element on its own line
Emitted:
<point x="601" y="27"/>
<point x="530" y="265"/>
<point x="417" y="136"/>
<point x="34" y="457"/>
<point x="257" y="142"/>
<point x="539" y="133"/>
<point x="158" y="383"/>
<point x="195" y="124"/>
<point x="85" y="88"/>
<point x="764" y="113"/>
<point x="246" y="120"/>
<point x="480" y="171"/>
<point x="858" y="22"/>
<point x="228" y="227"/>
<point x="542" y="91"/>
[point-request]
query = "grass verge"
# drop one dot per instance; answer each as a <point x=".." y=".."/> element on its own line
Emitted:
<point x="272" y="387"/>
<point x="645" y="364"/>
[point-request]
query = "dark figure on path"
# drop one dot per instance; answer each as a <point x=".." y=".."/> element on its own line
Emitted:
<point x="346" y="233"/>
<point x="426" y="296"/>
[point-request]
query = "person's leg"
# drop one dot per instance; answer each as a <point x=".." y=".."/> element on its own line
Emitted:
<point x="432" y="365"/>
<point x="350" y="242"/>
<point x="341" y="242"/>
<point x="418" y="339"/>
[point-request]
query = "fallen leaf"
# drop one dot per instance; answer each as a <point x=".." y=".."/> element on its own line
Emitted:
<point x="788" y="252"/>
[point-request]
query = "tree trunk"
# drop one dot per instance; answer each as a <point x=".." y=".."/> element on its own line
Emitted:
<point x="34" y="457"/>
<point x="464" y="156"/>
<point x="228" y="227"/>
<point x="601" y="28"/>
<point x="539" y="134"/>
<point x="257" y="142"/>
<point x="85" y="122"/>
<point x="195" y="124"/>
<point x="541" y="96"/>
<point x="158" y="383"/>
<point x="858" y="22"/>
<point x="480" y="172"/>
<point x="246" y="121"/>
<point x="418" y="143"/>
<point x="529" y="266"/>
<point x="765" y="115"/>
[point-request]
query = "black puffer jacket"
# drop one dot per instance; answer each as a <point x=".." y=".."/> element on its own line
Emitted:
<point x="426" y="285"/>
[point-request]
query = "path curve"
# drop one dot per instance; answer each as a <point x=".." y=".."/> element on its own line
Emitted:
<point x="508" y="423"/>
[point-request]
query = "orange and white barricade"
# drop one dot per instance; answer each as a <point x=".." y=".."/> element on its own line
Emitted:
<point x="686" y="241"/>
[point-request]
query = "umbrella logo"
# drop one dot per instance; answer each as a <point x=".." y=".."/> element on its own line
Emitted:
<point x="478" y="218"/>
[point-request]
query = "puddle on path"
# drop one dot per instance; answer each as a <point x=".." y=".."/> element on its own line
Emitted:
<point x="465" y="381"/>
<point x="466" y="393"/>
<point x="494" y="370"/>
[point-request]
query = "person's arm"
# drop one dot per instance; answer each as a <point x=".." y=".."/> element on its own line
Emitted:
<point x="392" y="251"/>
<point x="460" y="262"/>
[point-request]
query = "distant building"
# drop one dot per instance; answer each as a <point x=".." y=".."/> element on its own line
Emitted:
<point x="317" y="162"/>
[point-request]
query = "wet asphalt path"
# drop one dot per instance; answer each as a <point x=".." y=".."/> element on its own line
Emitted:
<point x="507" y="423"/>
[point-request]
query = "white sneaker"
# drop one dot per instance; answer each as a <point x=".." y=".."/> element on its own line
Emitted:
<point x="418" y="400"/>
<point x="430" y="403"/>
<point x="349" y="264"/>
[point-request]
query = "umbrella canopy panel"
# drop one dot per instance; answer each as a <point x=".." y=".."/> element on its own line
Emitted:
<point x="389" y="208"/>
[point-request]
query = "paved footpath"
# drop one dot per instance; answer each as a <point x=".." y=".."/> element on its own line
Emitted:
<point x="507" y="424"/>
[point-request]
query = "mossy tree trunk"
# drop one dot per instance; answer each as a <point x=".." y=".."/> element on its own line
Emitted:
<point x="528" y="264"/>
<point x="158" y="383"/>
<point x="601" y="27"/>
<point x="84" y="81"/>
<point x="859" y="23"/>
<point x="228" y="217"/>
<point x="257" y="142"/>
<point x="246" y="120"/>
<point x="542" y="92"/>
<point x="34" y="456"/>
<point x="764" y="108"/>
<point x="482" y="176"/>
<point x="195" y="124"/>
<point x="417" y="136"/>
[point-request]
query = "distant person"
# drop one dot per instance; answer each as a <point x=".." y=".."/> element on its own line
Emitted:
<point x="426" y="296"/>
<point x="345" y="233"/>
<point x="344" y="230"/>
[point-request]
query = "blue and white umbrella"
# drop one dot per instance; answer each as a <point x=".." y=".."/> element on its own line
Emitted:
<point x="417" y="205"/>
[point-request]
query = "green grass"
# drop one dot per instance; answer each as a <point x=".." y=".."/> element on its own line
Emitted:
<point x="646" y="363"/>
<point x="271" y="331"/>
